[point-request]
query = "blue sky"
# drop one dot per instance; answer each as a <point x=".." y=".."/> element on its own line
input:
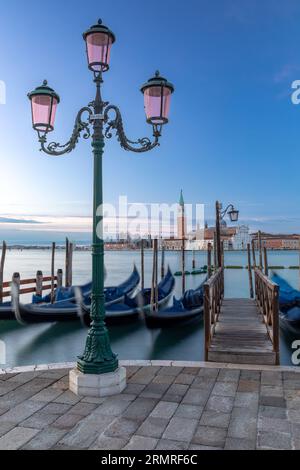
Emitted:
<point x="233" y="133"/>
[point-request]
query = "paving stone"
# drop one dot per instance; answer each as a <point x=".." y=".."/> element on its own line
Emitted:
<point x="250" y="375"/>
<point x="228" y="375"/>
<point x="62" y="384"/>
<point x="293" y="415"/>
<point x="112" y="407"/>
<point x="164" y="409"/>
<point x="122" y="427"/>
<point x="272" y="401"/>
<point x="85" y="433"/>
<point x="95" y="400"/>
<point x="68" y="397"/>
<point x="191" y="370"/>
<point x="287" y="375"/>
<point x="167" y="444"/>
<point x="272" y="412"/>
<point x="271" y="377"/>
<point x="178" y="389"/>
<point x="153" y="427"/>
<point x="56" y="408"/>
<point x="294" y="403"/>
<point x="246" y="400"/>
<point x="274" y="440"/>
<point x="164" y="379"/>
<point x="134" y="388"/>
<point x="154" y="390"/>
<point x="20" y="412"/>
<point x="55" y="374"/>
<point x="141" y="443"/>
<point x="144" y="376"/>
<point x="270" y="424"/>
<point x="172" y="397"/>
<point x="216" y="403"/>
<point x="173" y="370"/>
<point x="215" y="418"/>
<point x="291" y="384"/>
<point x="5" y="427"/>
<point x="189" y="411"/>
<point x="210" y="436"/>
<point x="83" y="409"/>
<point x="196" y="397"/>
<point x="271" y="391"/>
<point x="131" y="370"/>
<point x="203" y="383"/>
<point x="39" y="420"/>
<point x="225" y="389"/>
<point x="7" y="386"/>
<point x="248" y="386"/>
<point x="209" y="373"/>
<point x="184" y="379"/>
<point x="140" y="408"/>
<point x="200" y="447"/>
<point x="180" y="429"/>
<point x="47" y="395"/>
<point x="24" y="377"/>
<point x="67" y="421"/>
<point x="232" y="443"/>
<point x="16" y="438"/>
<point x="109" y="443"/>
<point x="45" y="439"/>
<point x="242" y="424"/>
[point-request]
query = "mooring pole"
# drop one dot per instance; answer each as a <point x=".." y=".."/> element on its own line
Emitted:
<point x="250" y="272"/>
<point x="194" y="261"/>
<point x="266" y="261"/>
<point x="253" y="253"/>
<point x="209" y="260"/>
<point x="52" y="271"/>
<point x="142" y="265"/>
<point x="162" y="273"/>
<point x="2" y="262"/>
<point x="260" y="250"/>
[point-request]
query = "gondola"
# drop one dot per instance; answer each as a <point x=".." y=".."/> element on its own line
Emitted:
<point x="70" y="309"/>
<point x="132" y="307"/>
<point x="188" y="307"/>
<point x="289" y="306"/>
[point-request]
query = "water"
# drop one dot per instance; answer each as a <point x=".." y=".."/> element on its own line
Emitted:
<point x="44" y="343"/>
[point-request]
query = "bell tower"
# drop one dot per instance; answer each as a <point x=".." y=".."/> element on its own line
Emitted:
<point x="181" y="219"/>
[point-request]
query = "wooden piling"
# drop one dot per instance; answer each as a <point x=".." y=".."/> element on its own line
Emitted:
<point x="266" y="261"/>
<point x="253" y="253"/>
<point x="39" y="283"/>
<point x="215" y="250"/>
<point x="183" y="263"/>
<point x="16" y="283"/>
<point x="194" y="261"/>
<point x="153" y="277"/>
<point x="71" y="249"/>
<point x="59" y="275"/>
<point x="67" y="264"/>
<point x="162" y="267"/>
<point x="142" y="265"/>
<point x="2" y="262"/>
<point x="156" y="275"/>
<point x="250" y="272"/>
<point x="209" y="260"/>
<point x="52" y="271"/>
<point x="222" y="254"/>
<point x="260" y="250"/>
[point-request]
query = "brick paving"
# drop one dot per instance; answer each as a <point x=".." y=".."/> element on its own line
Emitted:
<point x="163" y="407"/>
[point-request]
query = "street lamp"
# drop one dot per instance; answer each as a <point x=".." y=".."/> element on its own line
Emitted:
<point x="220" y="214"/>
<point x="96" y="121"/>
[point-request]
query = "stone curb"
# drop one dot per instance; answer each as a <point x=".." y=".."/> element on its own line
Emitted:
<point x="145" y="363"/>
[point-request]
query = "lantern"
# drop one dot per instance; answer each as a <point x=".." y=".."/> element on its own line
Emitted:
<point x="44" y="101"/>
<point x="233" y="214"/>
<point x="157" y="95"/>
<point x="98" y="44"/>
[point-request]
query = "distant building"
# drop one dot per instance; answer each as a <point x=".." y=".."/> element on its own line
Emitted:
<point x="277" y="241"/>
<point x="173" y="243"/>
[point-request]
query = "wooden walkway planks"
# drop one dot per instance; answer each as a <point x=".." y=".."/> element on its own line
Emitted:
<point x="240" y="335"/>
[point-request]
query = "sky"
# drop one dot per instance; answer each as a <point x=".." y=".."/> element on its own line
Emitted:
<point x="233" y="133"/>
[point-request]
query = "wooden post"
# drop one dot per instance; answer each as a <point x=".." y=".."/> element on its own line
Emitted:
<point x="67" y="264"/>
<point x="52" y="271"/>
<point x="2" y="269"/>
<point x="209" y="260"/>
<point x="153" y="277"/>
<point x="222" y="254"/>
<point x="70" y="276"/>
<point x="299" y="260"/>
<point x="218" y="236"/>
<point x="156" y="274"/>
<point x="260" y="250"/>
<point x="194" y="261"/>
<point x="162" y="268"/>
<point x="266" y="261"/>
<point x="275" y="309"/>
<point x="250" y="272"/>
<point x="207" y="322"/>
<point x="59" y="275"/>
<point x="16" y="283"/>
<point x="253" y="253"/>
<point x="215" y="251"/>
<point x="142" y="265"/>
<point x="183" y="257"/>
<point x="39" y="283"/>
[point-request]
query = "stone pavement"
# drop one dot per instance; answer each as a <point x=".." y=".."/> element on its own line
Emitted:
<point x="163" y="407"/>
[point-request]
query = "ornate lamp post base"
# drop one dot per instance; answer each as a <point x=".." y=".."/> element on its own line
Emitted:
<point x="97" y="385"/>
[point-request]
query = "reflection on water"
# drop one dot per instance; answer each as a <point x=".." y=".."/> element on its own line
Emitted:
<point x="43" y="343"/>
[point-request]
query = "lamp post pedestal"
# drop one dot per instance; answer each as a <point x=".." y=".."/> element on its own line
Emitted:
<point x="97" y="385"/>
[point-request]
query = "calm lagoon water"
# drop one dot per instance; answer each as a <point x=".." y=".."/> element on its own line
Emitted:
<point x="58" y="342"/>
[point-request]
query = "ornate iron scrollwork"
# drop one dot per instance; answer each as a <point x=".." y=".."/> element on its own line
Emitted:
<point x="141" y="145"/>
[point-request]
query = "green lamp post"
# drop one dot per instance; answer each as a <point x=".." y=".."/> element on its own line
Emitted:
<point x="220" y="214"/>
<point x="97" y="124"/>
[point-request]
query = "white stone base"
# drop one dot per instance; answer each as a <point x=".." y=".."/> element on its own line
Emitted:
<point x="97" y="385"/>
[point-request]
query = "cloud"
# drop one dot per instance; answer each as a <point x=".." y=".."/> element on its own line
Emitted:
<point x="9" y="220"/>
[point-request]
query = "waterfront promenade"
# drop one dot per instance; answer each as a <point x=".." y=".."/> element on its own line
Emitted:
<point x="166" y="405"/>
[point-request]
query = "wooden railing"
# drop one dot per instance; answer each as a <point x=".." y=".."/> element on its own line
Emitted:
<point x="213" y="296"/>
<point x="266" y="294"/>
<point x="34" y="285"/>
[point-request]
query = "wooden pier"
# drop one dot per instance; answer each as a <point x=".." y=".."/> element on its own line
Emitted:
<point x="241" y="331"/>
